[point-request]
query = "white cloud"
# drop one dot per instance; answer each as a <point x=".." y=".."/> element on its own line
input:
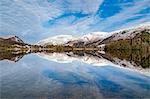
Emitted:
<point x="125" y="14"/>
<point x="85" y="6"/>
<point x="25" y="17"/>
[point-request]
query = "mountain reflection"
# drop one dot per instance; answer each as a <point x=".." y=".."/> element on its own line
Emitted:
<point x="131" y="58"/>
<point x="135" y="57"/>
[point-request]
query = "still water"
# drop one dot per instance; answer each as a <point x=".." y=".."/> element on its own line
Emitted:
<point x="36" y="77"/>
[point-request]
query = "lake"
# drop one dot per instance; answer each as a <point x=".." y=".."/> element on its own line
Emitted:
<point x="71" y="76"/>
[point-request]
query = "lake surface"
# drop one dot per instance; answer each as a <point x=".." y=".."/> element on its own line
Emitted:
<point x="54" y="76"/>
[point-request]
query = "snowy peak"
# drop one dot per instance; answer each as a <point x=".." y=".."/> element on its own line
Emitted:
<point x="56" y="40"/>
<point x="94" y="36"/>
<point x="89" y="39"/>
<point x="69" y="40"/>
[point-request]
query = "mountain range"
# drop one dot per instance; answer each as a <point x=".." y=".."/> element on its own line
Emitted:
<point x="96" y="39"/>
<point x="130" y="38"/>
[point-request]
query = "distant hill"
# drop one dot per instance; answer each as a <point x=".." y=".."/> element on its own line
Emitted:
<point x="11" y="40"/>
<point x="12" y="43"/>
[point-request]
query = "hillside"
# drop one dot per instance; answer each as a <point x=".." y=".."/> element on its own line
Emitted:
<point x="140" y="42"/>
<point x="12" y="43"/>
<point x="124" y="34"/>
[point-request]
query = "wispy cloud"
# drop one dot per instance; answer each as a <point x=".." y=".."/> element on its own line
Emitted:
<point x="36" y="19"/>
<point x="126" y="15"/>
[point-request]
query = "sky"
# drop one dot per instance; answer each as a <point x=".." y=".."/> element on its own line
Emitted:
<point x="34" y="20"/>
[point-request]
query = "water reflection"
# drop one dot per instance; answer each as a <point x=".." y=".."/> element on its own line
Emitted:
<point x="124" y="58"/>
<point x="71" y="75"/>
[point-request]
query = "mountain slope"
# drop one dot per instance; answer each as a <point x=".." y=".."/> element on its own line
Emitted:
<point x="11" y="39"/>
<point x="141" y="42"/>
<point x="105" y="38"/>
<point x="6" y="41"/>
<point x="125" y="34"/>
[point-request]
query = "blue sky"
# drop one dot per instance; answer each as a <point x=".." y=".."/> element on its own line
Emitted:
<point x="33" y="20"/>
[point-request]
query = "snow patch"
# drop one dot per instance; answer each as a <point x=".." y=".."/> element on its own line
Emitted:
<point x="56" y="40"/>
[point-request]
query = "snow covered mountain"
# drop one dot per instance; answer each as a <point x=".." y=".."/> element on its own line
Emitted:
<point x="87" y="39"/>
<point x="123" y="34"/>
<point x="56" y="40"/>
<point x="96" y="38"/>
<point x="131" y="32"/>
<point x="70" y="40"/>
